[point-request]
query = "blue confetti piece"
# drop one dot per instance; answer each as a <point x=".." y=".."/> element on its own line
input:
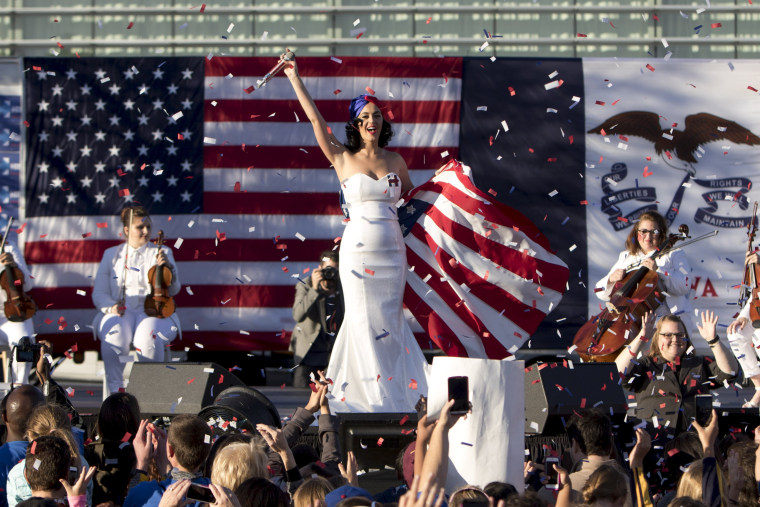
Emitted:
<point x="467" y="444"/>
<point x="171" y="367"/>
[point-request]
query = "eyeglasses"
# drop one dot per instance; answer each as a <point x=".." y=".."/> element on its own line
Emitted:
<point x="681" y="337"/>
<point x="644" y="232"/>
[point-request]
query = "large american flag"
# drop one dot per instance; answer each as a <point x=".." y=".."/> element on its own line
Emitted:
<point x="263" y="200"/>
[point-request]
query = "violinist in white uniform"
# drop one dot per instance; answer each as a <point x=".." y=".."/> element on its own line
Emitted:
<point x="121" y="287"/>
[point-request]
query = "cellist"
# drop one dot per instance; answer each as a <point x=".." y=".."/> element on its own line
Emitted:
<point x="672" y="267"/>
<point x="121" y="286"/>
<point x="744" y="339"/>
<point x="12" y="332"/>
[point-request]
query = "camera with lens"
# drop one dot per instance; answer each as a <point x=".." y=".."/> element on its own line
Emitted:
<point x="329" y="273"/>
<point x="27" y="351"/>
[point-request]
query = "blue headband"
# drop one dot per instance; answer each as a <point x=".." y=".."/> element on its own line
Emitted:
<point x="358" y="103"/>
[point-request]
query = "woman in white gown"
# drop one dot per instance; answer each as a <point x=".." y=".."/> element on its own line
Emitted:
<point x="376" y="364"/>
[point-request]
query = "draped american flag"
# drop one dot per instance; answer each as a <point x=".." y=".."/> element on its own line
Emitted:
<point x="247" y="200"/>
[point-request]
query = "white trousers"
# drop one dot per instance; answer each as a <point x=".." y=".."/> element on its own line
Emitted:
<point x="149" y="335"/>
<point x="744" y="345"/>
<point x="10" y="334"/>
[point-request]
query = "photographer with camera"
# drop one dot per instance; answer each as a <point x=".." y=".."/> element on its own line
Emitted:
<point x="318" y="311"/>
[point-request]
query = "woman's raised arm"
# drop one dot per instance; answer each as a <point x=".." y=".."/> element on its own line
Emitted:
<point x="331" y="147"/>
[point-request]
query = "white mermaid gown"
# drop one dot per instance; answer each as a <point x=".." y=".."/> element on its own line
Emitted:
<point x="376" y="362"/>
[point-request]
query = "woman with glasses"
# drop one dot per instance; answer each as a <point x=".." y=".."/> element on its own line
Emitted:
<point x="670" y="375"/>
<point x="673" y="269"/>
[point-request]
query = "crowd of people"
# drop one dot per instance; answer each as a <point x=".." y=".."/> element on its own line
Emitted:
<point x="49" y="456"/>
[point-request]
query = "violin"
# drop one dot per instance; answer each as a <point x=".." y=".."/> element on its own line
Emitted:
<point x="601" y="338"/>
<point x="751" y="283"/>
<point x="159" y="303"/>
<point x="18" y="305"/>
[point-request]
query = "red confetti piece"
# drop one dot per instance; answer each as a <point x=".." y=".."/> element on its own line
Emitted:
<point x="380" y="441"/>
<point x="647" y="172"/>
<point x="34" y="447"/>
<point x="600" y="103"/>
<point x="370" y="90"/>
<point x="749" y="88"/>
<point x="130" y="25"/>
<point x="337" y="91"/>
<point x="377" y="379"/>
<point x="429" y="20"/>
<point x="249" y="90"/>
<point x="126" y="437"/>
<point x="581" y="35"/>
<point x="492" y="192"/>
<point x="221" y="379"/>
<point x="511" y="91"/>
<point x="102" y="225"/>
<point x="59" y="45"/>
<point x="124" y="192"/>
<point x="369" y="271"/>
<point x="180" y="137"/>
<point x="650" y="68"/>
<point x="413" y="384"/>
<point x="237" y="186"/>
<point x="716" y="25"/>
<point x="203" y="8"/>
<point x="191" y="380"/>
<point x="615" y="103"/>
<point x="403" y="420"/>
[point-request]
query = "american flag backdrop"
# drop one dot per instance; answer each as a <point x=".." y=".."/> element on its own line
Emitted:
<point x="246" y="216"/>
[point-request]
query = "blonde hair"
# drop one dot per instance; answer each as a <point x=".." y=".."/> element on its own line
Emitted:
<point x="312" y="492"/>
<point x="604" y="484"/>
<point x="466" y="493"/>
<point x="690" y="484"/>
<point x="238" y="462"/>
<point x="52" y="420"/>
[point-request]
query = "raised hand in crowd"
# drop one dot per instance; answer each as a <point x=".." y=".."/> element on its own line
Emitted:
<point x="143" y="446"/>
<point x="708" y="434"/>
<point x="175" y="494"/>
<point x="224" y="497"/>
<point x="275" y="439"/>
<point x="423" y="494"/>
<point x="349" y="470"/>
<point x="565" y="487"/>
<point x="640" y="449"/>
<point x="158" y="441"/>
<point x="79" y="488"/>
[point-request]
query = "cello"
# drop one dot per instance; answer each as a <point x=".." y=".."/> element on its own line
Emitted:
<point x="751" y="282"/>
<point x="159" y="303"/>
<point x="601" y="338"/>
<point x="18" y="305"/>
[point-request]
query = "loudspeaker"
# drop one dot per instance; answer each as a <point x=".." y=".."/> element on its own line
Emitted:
<point x="553" y="391"/>
<point x="178" y="388"/>
<point x="240" y="408"/>
<point x="376" y="439"/>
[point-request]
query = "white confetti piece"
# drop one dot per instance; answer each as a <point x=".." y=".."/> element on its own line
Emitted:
<point x="244" y="332"/>
<point x="229" y="28"/>
<point x="190" y="223"/>
<point x="444" y="154"/>
<point x="553" y="74"/>
<point x="553" y="193"/>
<point x="336" y="60"/>
<point x="37" y="464"/>
<point x="482" y="108"/>
<point x="199" y="345"/>
<point x="553" y="84"/>
<point x="178" y="243"/>
<point x="208" y="370"/>
<point x="300" y="236"/>
<point x="483" y="46"/>
<point x="209" y="140"/>
<point x="357" y="21"/>
<point x="504" y="125"/>
<point x="80" y="292"/>
<point x="189" y="290"/>
<point x="177" y="115"/>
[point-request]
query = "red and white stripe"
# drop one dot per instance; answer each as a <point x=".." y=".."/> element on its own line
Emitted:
<point x="270" y="198"/>
<point x="481" y="276"/>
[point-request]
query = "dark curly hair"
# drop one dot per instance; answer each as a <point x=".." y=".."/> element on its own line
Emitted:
<point x="354" y="141"/>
